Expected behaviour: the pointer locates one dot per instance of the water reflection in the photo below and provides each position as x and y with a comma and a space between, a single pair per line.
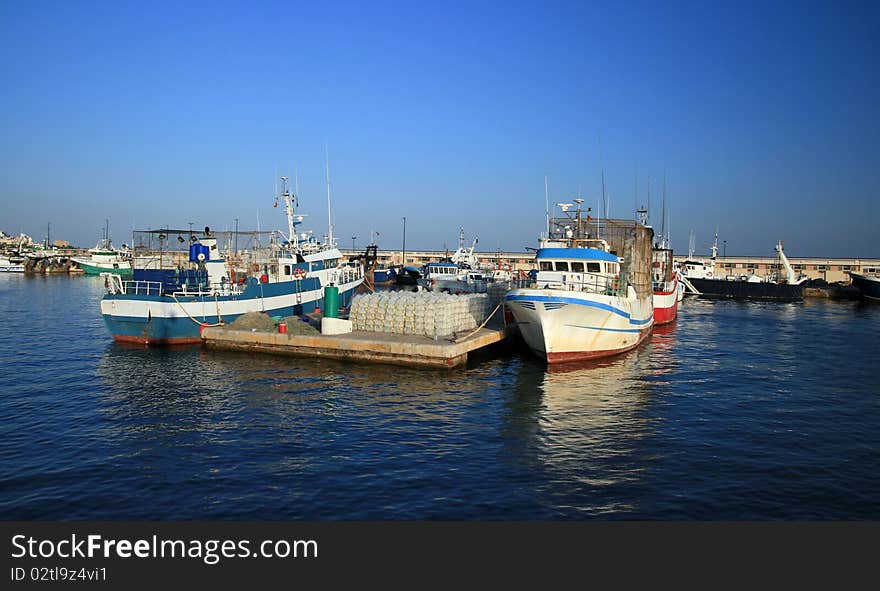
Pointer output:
582, 427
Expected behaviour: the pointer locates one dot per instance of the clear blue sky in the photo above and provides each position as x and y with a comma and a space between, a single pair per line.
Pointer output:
763, 116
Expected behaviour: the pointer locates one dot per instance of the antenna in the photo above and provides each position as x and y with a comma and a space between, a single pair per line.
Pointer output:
547, 203
636, 189
602, 164
329, 214
663, 215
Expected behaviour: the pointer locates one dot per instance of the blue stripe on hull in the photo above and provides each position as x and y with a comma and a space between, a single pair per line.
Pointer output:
159, 330
577, 302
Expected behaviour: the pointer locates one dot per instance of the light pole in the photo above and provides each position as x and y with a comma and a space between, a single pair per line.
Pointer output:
725, 248
191, 232
353, 238
235, 240
403, 255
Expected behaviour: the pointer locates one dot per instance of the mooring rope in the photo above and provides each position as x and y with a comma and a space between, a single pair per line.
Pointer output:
459, 339
220, 323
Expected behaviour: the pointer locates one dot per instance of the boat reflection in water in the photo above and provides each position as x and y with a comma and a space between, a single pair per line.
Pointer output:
214, 435
585, 428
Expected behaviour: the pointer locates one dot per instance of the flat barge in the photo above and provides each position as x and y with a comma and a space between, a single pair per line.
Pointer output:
377, 347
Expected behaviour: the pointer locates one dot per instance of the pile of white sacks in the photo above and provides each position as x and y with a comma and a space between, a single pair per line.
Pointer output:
418, 313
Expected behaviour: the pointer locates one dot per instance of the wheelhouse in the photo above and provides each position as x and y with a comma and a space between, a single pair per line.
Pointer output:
579, 269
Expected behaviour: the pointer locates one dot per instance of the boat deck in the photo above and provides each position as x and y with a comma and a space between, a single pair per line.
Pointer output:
377, 347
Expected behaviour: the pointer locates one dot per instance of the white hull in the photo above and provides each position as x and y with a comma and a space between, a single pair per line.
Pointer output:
210, 309
562, 326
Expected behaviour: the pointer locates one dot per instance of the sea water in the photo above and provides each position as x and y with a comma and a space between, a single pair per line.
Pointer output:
740, 410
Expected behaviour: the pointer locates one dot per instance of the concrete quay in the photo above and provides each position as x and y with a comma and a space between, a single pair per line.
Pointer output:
377, 347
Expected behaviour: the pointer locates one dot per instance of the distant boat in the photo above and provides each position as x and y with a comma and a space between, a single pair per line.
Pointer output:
11, 264
458, 273
104, 258
782, 287
868, 285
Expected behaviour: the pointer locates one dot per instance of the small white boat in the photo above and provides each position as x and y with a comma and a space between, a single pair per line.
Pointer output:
12, 263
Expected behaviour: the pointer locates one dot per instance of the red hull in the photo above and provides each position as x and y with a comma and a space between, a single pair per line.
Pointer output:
571, 356
144, 340
665, 315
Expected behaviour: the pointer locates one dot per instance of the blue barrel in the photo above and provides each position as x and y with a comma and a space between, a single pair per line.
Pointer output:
196, 249
331, 301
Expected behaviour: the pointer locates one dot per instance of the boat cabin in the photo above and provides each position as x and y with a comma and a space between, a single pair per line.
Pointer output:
442, 270
579, 269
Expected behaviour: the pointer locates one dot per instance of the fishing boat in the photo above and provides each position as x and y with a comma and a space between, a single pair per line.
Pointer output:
664, 276
592, 294
867, 284
105, 258
458, 273
664, 279
783, 286
171, 306
12, 263
694, 268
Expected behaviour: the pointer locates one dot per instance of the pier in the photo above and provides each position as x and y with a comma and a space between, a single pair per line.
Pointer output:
377, 347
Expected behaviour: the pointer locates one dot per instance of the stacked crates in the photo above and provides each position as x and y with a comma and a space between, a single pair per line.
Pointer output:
418, 313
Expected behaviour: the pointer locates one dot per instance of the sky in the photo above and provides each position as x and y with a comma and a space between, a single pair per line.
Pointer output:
762, 117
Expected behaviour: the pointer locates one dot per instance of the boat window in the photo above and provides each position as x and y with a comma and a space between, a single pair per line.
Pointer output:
546, 266
577, 267
287, 269
593, 267
562, 265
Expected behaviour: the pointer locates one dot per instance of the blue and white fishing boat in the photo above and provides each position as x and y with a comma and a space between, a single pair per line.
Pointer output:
171, 306
587, 301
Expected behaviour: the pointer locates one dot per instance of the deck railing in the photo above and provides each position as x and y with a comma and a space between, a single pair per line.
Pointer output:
585, 282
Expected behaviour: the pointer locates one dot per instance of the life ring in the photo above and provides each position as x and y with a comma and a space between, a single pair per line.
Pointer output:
299, 273
708, 273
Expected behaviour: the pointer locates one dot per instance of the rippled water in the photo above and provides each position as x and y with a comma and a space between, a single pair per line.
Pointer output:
739, 411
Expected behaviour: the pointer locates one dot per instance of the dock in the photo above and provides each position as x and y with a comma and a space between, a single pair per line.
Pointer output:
376, 347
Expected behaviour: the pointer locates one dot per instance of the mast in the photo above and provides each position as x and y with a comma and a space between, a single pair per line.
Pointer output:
288, 205
636, 190
547, 203
663, 215
329, 214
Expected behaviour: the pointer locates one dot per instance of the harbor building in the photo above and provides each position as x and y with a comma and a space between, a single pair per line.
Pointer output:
829, 269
